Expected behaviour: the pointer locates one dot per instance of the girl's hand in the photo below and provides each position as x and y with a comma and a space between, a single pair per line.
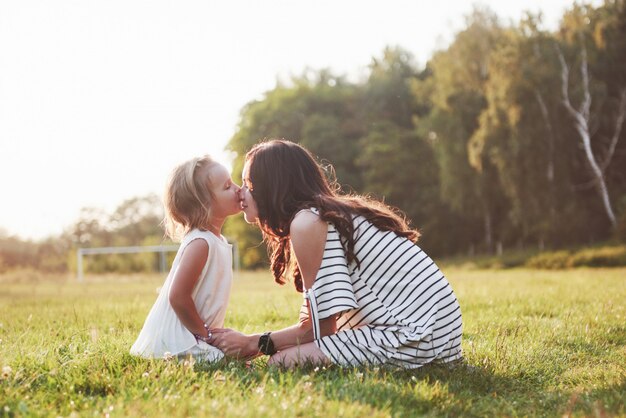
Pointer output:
234, 343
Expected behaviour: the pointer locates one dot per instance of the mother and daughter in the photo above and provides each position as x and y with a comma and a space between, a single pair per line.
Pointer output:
371, 295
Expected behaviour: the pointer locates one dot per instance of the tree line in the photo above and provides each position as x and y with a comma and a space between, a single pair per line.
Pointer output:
135, 222
511, 137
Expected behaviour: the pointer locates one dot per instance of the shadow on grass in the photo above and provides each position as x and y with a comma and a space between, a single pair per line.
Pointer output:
434, 389
466, 390
600, 401
463, 390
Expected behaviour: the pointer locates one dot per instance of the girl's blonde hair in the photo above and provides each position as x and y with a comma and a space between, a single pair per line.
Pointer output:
188, 197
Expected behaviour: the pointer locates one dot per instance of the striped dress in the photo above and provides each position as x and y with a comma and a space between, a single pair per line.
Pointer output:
397, 308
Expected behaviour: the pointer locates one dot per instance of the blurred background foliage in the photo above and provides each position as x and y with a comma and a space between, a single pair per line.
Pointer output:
477, 146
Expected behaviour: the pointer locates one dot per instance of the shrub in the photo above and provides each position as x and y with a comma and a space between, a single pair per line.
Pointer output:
551, 261
599, 257
588, 257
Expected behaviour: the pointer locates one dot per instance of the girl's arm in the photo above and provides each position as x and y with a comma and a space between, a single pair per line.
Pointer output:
191, 264
308, 240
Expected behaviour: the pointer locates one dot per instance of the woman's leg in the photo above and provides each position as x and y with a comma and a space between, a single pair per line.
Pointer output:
305, 354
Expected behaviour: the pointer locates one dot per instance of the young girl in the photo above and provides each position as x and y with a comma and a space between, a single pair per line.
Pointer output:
372, 296
199, 197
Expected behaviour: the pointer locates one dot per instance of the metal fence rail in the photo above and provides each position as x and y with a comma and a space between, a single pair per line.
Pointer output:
161, 249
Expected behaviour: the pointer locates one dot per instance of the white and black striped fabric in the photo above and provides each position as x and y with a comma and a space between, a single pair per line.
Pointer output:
397, 308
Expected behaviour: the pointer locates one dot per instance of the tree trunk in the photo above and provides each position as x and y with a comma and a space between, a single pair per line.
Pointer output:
583, 131
488, 232
550, 166
581, 123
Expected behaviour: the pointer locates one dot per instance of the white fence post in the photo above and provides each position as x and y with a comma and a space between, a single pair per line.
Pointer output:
237, 263
79, 264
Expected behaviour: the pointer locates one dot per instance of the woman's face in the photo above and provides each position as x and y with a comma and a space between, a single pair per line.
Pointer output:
248, 205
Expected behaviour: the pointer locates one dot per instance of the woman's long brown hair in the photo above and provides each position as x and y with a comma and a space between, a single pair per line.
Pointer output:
285, 178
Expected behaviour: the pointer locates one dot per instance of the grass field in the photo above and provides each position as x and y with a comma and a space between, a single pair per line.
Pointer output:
536, 343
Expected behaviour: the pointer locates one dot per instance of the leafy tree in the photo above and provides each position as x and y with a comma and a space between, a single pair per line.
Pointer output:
317, 110
387, 95
400, 168
516, 131
137, 218
469, 182
595, 94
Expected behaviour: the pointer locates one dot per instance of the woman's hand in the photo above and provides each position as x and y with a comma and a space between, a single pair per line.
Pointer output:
234, 343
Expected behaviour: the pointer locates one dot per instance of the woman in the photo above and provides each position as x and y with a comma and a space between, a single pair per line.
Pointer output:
371, 296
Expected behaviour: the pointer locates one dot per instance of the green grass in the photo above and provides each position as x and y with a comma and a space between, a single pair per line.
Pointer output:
537, 343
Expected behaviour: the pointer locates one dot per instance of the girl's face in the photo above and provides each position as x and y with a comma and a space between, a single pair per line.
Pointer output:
225, 193
250, 211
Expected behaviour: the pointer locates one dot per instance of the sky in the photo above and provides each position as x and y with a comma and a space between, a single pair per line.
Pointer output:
100, 99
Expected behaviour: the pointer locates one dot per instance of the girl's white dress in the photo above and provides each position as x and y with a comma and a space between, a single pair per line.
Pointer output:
163, 332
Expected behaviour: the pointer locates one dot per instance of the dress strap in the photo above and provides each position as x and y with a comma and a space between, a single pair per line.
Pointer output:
310, 296
313, 210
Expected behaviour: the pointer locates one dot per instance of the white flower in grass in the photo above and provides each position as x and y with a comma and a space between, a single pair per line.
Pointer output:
167, 356
6, 372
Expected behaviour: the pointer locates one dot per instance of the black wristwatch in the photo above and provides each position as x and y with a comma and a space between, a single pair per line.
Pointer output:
266, 345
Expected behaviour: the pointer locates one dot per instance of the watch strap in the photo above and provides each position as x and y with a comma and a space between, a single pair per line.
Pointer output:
266, 345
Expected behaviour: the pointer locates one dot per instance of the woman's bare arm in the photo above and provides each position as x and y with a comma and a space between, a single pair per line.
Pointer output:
308, 240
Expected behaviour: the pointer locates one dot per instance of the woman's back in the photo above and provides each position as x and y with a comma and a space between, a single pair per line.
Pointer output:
397, 298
